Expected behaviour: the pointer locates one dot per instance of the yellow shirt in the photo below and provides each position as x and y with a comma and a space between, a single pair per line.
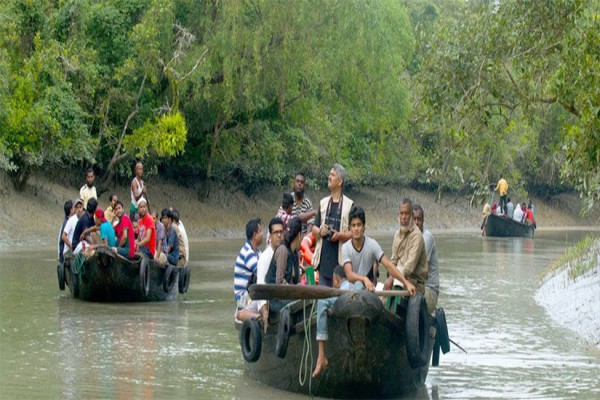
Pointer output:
87, 193
502, 187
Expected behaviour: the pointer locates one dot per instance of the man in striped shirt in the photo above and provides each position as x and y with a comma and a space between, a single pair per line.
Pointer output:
302, 207
245, 266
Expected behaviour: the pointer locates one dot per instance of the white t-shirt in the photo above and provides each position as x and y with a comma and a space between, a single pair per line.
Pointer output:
518, 214
69, 230
262, 267
362, 260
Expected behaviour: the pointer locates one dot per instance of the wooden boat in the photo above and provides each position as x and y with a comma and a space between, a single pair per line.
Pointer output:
506, 227
106, 276
369, 348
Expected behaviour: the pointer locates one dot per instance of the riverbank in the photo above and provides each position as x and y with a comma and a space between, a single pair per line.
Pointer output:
571, 292
33, 217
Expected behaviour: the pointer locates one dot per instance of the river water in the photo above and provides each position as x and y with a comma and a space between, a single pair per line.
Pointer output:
52, 346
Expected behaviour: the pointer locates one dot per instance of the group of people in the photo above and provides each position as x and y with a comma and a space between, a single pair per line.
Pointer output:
87, 226
344, 256
522, 212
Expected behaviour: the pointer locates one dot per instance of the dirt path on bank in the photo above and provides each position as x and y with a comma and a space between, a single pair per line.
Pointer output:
33, 217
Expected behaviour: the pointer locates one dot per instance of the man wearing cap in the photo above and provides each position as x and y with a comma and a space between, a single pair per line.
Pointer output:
146, 242
107, 232
69, 229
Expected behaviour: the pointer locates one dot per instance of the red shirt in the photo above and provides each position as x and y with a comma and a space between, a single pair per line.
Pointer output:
529, 216
125, 223
144, 224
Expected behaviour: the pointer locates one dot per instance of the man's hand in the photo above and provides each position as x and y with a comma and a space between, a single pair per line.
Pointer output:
368, 284
412, 290
323, 231
389, 282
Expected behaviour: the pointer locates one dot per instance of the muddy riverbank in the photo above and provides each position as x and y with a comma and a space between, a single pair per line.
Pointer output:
33, 217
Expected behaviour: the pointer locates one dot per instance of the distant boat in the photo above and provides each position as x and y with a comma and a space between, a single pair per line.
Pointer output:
106, 276
369, 351
506, 227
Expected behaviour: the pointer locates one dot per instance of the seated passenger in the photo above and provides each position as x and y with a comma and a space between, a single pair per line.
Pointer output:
339, 282
170, 253
529, 219
184, 245
146, 242
519, 214
284, 267
107, 232
125, 233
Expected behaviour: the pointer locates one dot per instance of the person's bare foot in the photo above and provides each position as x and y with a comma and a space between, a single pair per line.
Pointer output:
264, 313
322, 364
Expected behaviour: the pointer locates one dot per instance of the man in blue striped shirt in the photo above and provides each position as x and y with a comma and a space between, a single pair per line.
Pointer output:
245, 266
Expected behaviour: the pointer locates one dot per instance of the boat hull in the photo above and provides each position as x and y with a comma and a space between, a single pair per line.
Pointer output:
107, 277
506, 227
366, 352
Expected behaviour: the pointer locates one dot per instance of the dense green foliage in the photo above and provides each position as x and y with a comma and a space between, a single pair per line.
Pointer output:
446, 94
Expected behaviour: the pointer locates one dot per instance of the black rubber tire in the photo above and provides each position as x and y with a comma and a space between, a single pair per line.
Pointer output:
417, 331
60, 272
184, 280
144, 276
169, 278
251, 340
442, 330
75, 285
283, 333
435, 358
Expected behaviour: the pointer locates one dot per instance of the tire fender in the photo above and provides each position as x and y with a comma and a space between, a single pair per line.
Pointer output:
417, 331
251, 340
442, 330
284, 329
169, 278
184, 280
60, 271
144, 276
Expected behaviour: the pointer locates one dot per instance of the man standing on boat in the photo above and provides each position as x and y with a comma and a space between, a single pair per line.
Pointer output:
245, 266
138, 189
432, 286
408, 249
302, 207
358, 255
502, 189
332, 226
88, 191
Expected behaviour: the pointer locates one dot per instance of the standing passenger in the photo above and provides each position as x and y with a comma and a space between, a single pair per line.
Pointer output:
88, 191
502, 188
138, 189
331, 226
303, 207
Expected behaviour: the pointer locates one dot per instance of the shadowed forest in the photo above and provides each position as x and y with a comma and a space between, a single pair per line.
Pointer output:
437, 95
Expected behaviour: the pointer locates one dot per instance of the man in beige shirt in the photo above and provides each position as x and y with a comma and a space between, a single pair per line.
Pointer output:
408, 249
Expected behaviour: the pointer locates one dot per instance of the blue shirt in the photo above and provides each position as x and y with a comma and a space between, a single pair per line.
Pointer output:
245, 265
171, 242
108, 232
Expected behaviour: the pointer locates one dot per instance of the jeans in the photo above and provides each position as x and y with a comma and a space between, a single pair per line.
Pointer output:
323, 305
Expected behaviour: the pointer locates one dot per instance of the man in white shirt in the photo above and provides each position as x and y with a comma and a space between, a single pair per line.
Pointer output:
67, 233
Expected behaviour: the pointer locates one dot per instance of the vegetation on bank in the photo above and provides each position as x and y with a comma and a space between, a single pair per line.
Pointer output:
437, 94
579, 259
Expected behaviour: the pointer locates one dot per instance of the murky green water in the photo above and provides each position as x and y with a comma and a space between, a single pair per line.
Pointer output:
54, 347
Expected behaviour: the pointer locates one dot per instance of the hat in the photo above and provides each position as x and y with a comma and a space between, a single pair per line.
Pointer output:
100, 215
142, 200
79, 200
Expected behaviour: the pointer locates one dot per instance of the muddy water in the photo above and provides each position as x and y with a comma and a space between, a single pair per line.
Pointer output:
54, 347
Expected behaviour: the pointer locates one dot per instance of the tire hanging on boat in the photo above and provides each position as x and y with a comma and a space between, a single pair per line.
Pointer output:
60, 271
417, 331
283, 333
251, 340
184, 280
442, 330
435, 358
169, 278
144, 276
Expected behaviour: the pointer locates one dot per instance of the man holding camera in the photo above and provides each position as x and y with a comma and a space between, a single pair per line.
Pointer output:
332, 226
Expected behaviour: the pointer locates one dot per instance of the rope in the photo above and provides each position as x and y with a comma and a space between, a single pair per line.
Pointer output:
77, 265
307, 353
